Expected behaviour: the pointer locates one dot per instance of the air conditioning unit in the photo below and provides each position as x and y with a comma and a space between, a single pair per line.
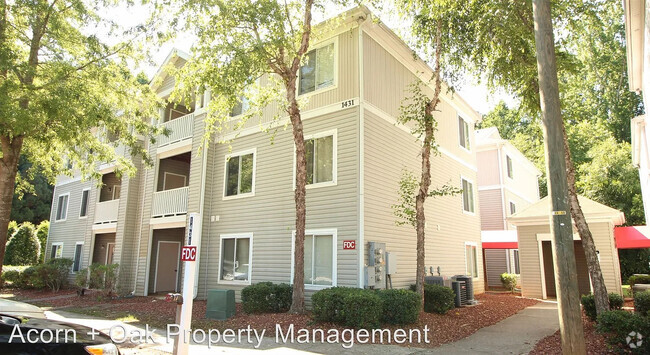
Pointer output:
469, 287
460, 293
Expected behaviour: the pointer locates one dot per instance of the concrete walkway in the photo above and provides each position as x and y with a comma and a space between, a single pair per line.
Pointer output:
514, 335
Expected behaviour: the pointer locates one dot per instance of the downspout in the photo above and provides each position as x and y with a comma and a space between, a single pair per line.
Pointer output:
361, 156
502, 189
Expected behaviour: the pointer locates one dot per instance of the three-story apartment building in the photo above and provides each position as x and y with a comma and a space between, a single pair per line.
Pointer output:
507, 183
354, 82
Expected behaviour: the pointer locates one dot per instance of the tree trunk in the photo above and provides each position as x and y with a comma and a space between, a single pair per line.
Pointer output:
8, 169
566, 280
591, 254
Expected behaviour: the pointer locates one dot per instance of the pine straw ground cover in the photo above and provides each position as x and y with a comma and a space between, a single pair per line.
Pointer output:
596, 343
456, 324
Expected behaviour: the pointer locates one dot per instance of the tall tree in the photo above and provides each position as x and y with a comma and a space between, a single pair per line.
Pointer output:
32, 196
241, 43
58, 83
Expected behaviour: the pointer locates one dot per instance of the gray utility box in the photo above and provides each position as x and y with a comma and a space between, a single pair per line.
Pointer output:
221, 304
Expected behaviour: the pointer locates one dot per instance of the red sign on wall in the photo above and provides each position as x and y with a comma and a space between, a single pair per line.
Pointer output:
349, 244
188, 253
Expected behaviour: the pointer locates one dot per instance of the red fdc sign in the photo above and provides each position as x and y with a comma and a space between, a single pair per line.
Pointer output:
349, 244
188, 253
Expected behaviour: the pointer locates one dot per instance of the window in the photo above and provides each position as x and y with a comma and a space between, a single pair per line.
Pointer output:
463, 133
471, 260
84, 203
468, 196
240, 174
76, 265
317, 72
319, 153
509, 166
57, 251
320, 258
62, 207
513, 208
516, 257
241, 107
236, 255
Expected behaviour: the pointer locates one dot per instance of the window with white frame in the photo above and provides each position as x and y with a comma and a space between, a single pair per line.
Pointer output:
513, 208
317, 72
319, 153
320, 258
76, 264
471, 259
236, 255
240, 174
57, 251
516, 258
468, 195
242, 106
509, 166
84, 203
463, 133
62, 207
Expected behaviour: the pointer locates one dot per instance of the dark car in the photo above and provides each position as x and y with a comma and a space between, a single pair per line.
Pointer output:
26, 335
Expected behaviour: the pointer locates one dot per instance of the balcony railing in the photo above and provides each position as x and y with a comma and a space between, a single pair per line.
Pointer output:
179, 129
169, 202
106, 212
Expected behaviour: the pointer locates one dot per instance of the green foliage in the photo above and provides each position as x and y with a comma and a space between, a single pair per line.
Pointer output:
589, 304
266, 297
642, 303
11, 230
81, 278
32, 196
42, 231
31, 278
54, 273
24, 248
619, 324
438, 299
509, 281
10, 275
638, 279
327, 304
400, 306
634, 261
362, 309
103, 277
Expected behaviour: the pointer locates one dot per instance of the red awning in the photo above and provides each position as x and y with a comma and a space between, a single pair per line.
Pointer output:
632, 237
500, 245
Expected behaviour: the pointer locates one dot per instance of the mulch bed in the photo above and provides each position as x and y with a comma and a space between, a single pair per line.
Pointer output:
456, 324
596, 343
28, 294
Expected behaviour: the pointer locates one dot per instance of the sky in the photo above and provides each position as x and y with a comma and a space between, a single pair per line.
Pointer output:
476, 94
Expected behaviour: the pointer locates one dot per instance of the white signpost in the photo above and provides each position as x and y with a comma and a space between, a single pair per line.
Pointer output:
188, 256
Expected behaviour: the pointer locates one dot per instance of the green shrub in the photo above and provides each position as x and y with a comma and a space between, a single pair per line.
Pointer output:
638, 279
438, 299
619, 324
589, 304
54, 273
642, 304
266, 297
362, 309
81, 278
328, 304
509, 281
23, 248
11, 275
11, 230
31, 278
41, 234
400, 306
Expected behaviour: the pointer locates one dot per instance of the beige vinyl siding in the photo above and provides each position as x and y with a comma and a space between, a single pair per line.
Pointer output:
270, 214
490, 202
495, 264
524, 180
71, 230
445, 246
488, 164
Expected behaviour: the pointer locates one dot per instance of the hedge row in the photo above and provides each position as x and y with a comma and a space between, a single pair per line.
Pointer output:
266, 297
589, 304
638, 279
53, 274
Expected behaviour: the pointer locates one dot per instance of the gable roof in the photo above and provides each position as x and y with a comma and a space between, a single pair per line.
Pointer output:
539, 212
174, 56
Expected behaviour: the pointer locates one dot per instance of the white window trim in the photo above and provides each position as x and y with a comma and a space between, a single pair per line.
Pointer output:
462, 203
225, 173
510, 207
334, 182
250, 258
469, 136
57, 244
81, 256
333, 232
511, 178
475, 245
67, 207
170, 173
82, 202
335, 84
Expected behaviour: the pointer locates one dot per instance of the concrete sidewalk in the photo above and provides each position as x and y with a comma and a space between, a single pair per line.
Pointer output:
514, 335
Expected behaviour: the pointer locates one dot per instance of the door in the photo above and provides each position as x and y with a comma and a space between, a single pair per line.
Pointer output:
549, 271
110, 251
167, 266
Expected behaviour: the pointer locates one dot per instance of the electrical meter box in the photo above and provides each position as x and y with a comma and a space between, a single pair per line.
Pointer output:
391, 263
377, 260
